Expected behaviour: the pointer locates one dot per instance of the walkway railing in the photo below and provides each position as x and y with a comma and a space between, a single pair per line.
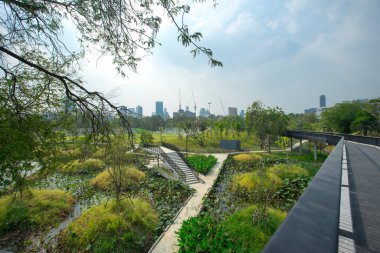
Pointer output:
312, 225
334, 138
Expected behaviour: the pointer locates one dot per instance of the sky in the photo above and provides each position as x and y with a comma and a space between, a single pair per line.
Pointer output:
283, 53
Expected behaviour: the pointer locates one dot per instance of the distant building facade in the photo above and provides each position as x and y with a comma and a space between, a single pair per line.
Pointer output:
184, 114
139, 110
166, 114
203, 112
160, 109
310, 111
242, 113
322, 101
232, 111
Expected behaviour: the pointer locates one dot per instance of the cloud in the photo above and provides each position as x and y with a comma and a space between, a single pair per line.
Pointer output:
284, 54
244, 22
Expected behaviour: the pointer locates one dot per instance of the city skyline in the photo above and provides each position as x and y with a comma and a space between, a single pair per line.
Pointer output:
281, 53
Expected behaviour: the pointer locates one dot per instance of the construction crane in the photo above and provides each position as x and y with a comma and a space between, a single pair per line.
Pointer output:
195, 105
224, 112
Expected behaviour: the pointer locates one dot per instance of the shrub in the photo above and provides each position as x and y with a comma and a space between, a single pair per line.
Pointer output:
102, 229
39, 209
247, 237
130, 176
203, 234
86, 166
287, 170
247, 158
249, 181
202, 163
290, 190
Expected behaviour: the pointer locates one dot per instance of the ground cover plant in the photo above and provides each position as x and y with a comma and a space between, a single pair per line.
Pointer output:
37, 210
202, 163
248, 201
79, 166
104, 228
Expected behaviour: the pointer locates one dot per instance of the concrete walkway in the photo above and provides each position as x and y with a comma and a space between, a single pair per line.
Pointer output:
168, 242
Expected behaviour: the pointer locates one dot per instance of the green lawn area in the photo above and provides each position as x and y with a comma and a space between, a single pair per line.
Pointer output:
211, 145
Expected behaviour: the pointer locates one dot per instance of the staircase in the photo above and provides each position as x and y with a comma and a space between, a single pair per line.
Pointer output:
190, 176
176, 163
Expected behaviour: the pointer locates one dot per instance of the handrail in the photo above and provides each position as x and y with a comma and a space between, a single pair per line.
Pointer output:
312, 225
333, 138
179, 152
172, 164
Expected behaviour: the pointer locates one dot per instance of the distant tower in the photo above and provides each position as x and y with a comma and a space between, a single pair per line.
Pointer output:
322, 101
160, 109
139, 110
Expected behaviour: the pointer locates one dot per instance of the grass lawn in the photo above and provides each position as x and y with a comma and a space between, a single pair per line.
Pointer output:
211, 145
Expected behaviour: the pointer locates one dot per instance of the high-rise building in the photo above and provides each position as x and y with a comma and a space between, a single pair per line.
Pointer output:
322, 101
166, 114
139, 110
310, 111
160, 109
203, 112
242, 113
232, 111
132, 110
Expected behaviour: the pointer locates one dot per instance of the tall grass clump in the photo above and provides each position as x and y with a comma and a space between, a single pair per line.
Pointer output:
104, 228
129, 177
37, 209
287, 170
82, 167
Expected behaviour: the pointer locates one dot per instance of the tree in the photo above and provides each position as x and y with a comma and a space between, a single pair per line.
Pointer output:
118, 159
27, 144
347, 117
266, 122
31, 47
340, 117
364, 122
39, 71
146, 137
283, 142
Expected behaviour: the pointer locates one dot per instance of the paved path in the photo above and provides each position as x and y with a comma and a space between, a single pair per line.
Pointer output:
364, 176
168, 242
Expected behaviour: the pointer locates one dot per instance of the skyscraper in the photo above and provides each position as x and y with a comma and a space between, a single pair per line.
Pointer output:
160, 109
139, 110
232, 111
322, 101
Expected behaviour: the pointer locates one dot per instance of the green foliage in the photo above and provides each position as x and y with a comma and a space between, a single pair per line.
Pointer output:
287, 170
146, 137
347, 117
168, 197
23, 142
86, 166
127, 177
38, 209
308, 122
251, 181
202, 163
266, 122
290, 190
250, 160
104, 229
203, 234
249, 237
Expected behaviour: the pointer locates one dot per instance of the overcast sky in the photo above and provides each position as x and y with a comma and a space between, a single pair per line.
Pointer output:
284, 53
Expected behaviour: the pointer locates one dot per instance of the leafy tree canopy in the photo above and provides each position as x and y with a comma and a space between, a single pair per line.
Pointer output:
38, 67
